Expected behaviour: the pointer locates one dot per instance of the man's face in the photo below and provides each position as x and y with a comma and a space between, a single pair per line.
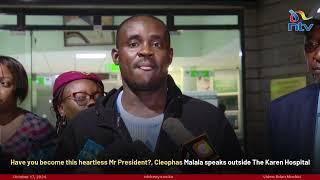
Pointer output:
143, 53
312, 51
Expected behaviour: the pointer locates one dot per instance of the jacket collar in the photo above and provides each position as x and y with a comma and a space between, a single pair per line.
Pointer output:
107, 104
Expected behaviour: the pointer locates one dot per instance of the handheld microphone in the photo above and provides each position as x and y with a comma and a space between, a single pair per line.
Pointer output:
90, 150
192, 147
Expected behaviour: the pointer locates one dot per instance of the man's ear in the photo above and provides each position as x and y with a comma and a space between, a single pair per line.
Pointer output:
115, 56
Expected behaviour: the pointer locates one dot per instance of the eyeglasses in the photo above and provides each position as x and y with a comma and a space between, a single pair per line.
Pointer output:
311, 45
83, 98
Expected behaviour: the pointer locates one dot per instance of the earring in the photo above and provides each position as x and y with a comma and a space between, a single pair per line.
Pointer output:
61, 124
64, 121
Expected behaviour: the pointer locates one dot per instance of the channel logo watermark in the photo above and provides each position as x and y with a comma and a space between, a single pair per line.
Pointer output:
294, 25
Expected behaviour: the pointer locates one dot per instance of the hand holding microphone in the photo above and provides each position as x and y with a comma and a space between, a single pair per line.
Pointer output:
192, 147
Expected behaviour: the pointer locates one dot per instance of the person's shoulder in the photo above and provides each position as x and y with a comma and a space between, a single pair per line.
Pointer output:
101, 109
89, 114
37, 128
37, 122
203, 111
198, 104
295, 96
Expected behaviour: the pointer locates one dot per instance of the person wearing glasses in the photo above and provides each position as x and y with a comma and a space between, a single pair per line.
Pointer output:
21, 132
73, 92
294, 119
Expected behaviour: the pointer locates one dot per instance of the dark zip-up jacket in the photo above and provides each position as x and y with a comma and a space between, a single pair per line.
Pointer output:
103, 125
292, 123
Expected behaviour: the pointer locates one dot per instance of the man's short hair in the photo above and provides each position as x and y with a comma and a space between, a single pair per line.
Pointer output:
141, 15
19, 76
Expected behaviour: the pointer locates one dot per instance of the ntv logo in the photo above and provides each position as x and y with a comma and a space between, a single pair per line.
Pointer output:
294, 18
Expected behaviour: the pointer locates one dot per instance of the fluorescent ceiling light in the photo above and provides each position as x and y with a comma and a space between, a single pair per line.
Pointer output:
91, 56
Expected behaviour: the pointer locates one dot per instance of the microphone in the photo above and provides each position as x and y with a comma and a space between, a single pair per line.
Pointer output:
192, 147
90, 150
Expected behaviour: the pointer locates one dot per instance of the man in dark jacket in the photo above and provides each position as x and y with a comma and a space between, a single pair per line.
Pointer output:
148, 99
294, 118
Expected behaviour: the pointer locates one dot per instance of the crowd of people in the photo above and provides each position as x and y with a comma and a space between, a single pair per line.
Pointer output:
121, 123
148, 117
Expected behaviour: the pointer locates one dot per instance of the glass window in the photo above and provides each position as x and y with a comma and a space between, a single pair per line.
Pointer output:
44, 20
8, 19
118, 19
207, 65
206, 20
